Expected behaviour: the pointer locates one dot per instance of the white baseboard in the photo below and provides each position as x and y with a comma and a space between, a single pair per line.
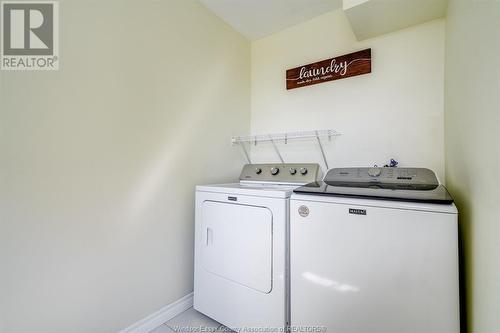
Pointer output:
161, 316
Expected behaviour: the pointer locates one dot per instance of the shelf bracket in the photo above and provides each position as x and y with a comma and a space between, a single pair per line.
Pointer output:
242, 145
322, 150
276, 149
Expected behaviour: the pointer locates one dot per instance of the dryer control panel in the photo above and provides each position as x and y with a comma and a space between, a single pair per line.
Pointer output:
282, 173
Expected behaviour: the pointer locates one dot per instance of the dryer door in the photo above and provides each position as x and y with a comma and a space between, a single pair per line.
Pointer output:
238, 243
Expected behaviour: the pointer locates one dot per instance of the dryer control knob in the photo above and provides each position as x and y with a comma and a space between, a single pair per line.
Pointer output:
374, 172
303, 171
293, 171
258, 171
274, 171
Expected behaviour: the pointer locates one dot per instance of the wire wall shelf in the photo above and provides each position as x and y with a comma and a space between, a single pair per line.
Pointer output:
285, 138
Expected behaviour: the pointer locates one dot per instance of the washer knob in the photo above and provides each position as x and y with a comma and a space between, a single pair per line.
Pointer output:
374, 172
293, 171
274, 171
258, 171
303, 171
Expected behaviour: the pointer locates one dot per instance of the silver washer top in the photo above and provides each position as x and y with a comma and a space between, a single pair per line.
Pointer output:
403, 176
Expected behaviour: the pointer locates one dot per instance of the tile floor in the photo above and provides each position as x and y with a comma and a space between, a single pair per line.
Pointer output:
191, 321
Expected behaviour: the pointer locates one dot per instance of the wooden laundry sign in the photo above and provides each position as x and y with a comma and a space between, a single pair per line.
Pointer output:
346, 65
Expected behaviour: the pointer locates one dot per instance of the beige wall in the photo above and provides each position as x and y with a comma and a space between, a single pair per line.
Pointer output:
473, 151
98, 162
396, 111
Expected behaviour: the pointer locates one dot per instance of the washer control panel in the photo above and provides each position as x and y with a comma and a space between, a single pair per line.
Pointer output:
285, 173
382, 175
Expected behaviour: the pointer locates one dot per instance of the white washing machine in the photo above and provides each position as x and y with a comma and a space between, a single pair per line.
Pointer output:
374, 250
241, 259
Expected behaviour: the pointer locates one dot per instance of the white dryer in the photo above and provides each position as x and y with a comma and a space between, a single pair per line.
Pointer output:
374, 250
241, 242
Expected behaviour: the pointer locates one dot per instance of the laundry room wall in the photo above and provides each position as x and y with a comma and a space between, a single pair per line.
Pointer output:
473, 154
394, 112
99, 160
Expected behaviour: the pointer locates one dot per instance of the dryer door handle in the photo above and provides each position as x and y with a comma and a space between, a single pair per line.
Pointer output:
210, 236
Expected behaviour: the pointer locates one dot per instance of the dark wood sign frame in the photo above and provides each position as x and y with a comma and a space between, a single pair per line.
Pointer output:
347, 65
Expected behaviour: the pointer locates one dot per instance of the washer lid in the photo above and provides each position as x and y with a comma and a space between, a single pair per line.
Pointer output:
401, 184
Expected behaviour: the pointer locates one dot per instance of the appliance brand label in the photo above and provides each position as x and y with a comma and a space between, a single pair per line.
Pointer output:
357, 211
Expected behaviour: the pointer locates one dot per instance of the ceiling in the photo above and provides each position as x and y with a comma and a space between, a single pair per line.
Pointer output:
258, 18
371, 18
